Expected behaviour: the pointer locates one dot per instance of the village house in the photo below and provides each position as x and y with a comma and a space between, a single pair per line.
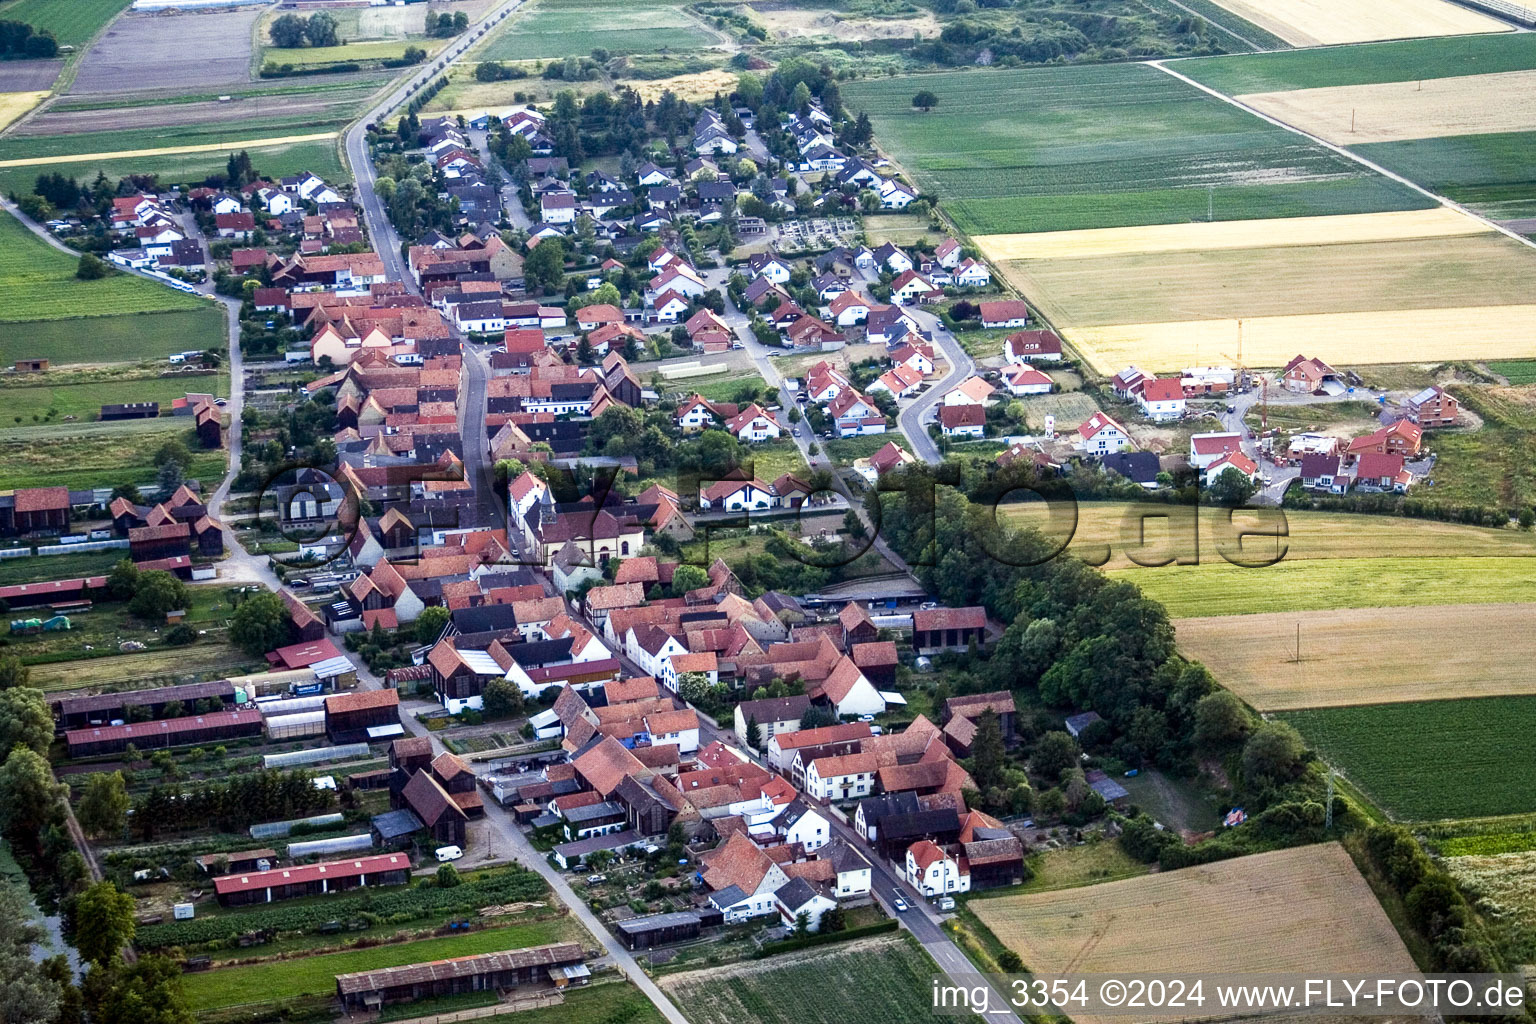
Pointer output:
1432, 407
1099, 434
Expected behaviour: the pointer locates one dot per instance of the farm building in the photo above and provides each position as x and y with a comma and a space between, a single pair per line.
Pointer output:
215, 727
395, 829
664, 929
34, 510
102, 708
30, 595
439, 813
556, 965
355, 716
312, 879
130, 411
948, 629
236, 863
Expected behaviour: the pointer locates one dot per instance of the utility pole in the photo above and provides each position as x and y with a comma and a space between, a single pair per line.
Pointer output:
1298, 625
1351, 120
1210, 204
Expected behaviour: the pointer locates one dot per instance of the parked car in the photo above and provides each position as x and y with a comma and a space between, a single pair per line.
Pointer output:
946, 903
447, 853
596, 879
900, 905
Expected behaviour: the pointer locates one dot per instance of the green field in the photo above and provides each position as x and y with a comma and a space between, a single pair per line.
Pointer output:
37, 282
72, 22
56, 567
377, 49
1516, 371
1363, 63
1218, 588
83, 401
858, 982
316, 975
319, 156
116, 339
611, 1001
1439, 759
1105, 146
99, 454
1494, 173
26, 147
577, 28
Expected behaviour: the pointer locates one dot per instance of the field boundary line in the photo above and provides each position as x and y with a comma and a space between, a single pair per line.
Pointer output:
207, 147
1342, 151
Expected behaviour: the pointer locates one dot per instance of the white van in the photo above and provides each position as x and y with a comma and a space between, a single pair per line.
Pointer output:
447, 853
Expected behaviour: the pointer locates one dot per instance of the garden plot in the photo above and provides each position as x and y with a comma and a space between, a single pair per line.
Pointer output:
1394, 111
1368, 655
1323, 22
1271, 912
172, 51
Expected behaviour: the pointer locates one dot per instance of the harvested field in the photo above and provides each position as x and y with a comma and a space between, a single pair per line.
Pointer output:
1434, 759
1408, 60
1367, 655
1271, 912
28, 75
15, 104
1384, 336
696, 87
1394, 111
194, 50
213, 147
1440, 222
1485, 269
1322, 22
317, 106
1043, 149
863, 980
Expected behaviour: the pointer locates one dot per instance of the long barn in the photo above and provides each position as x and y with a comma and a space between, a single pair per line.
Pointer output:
552, 966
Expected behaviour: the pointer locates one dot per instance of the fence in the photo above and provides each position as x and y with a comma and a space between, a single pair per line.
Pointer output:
1514, 12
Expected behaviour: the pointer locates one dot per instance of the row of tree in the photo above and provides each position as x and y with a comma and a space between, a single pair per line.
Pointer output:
19, 40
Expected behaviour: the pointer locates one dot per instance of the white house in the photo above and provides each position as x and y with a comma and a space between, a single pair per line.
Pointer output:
1205, 449
737, 496
680, 727
694, 415
1162, 399
894, 195
650, 647
933, 872
1026, 380
799, 899
743, 879
769, 266
972, 274
853, 871
849, 692
1099, 434
1236, 462
971, 391
844, 777
912, 287
848, 309
557, 208
753, 425
796, 822
224, 203
948, 254
855, 415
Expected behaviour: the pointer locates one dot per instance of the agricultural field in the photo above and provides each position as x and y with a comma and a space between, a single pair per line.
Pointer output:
39, 398
163, 52
825, 985
1069, 407
1106, 146
275, 157
564, 28
56, 567
1435, 759
14, 104
85, 455
1505, 887
1408, 60
1326, 22
1516, 371
607, 1001
234, 132
1365, 656
1494, 173
1270, 912
113, 339
316, 975
71, 23
1347, 115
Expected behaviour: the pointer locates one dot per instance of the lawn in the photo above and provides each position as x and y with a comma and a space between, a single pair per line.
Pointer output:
1271, 912
773, 459
34, 398
1105, 146
377, 49
845, 451
1436, 759
89, 455
881, 979
1364, 63
316, 975
319, 156
611, 1001
116, 339
72, 22
1072, 866
37, 282
577, 27
724, 388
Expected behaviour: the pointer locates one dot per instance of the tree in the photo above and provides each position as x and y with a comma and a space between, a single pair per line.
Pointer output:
13, 673
91, 267
687, 578
833, 920
853, 525
1053, 754
158, 592
260, 624
502, 699
28, 995
925, 101
320, 30
430, 623
988, 754
816, 716
149, 991
802, 926
754, 733
448, 877
1272, 754
123, 580
288, 32
25, 720
30, 798
103, 922
170, 476
1230, 489
1010, 961
173, 450
545, 266
693, 687
1221, 722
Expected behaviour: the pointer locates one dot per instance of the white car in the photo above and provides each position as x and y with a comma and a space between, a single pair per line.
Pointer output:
447, 853
900, 905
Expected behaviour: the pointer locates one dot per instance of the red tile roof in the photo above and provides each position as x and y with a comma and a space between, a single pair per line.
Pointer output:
312, 873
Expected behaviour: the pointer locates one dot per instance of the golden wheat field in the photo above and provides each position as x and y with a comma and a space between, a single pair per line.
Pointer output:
1368, 655
1352, 115
1321, 22
1384, 336
15, 104
1439, 222
1290, 910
